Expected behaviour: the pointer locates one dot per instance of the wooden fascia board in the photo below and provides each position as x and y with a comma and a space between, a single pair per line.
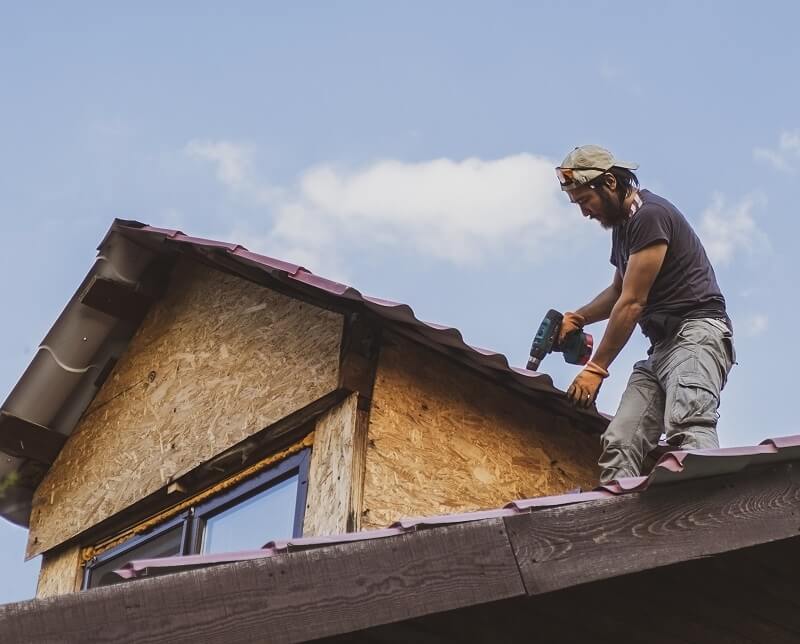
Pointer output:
288, 598
571, 545
24, 439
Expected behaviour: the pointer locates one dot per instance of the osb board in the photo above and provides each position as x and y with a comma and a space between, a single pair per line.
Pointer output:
226, 358
330, 475
444, 439
60, 572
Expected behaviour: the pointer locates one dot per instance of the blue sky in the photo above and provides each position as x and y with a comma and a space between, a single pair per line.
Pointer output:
407, 149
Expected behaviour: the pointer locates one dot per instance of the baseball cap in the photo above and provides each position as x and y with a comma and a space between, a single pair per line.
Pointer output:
585, 163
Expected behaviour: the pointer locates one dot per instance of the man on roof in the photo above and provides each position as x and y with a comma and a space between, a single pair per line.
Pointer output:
663, 280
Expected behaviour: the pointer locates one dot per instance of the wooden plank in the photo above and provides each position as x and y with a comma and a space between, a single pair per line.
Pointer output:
572, 545
359, 471
361, 346
60, 572
289, 598
22, 438
116, 298
330, 475
360, 350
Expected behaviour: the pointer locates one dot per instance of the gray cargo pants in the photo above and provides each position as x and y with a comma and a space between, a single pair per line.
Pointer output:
675, 391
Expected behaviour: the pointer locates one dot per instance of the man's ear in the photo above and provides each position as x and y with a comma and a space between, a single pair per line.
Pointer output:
611, 181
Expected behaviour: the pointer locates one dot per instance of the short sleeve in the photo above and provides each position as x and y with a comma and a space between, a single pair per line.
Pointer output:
651, 224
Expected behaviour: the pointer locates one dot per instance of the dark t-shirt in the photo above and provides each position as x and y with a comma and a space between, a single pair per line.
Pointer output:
686, 287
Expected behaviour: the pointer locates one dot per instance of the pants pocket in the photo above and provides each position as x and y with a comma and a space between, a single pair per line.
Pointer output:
695, 403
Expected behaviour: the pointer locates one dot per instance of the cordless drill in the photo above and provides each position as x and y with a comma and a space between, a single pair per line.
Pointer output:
577, 346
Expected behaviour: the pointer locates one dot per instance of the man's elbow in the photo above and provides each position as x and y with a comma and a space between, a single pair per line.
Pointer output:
632, 306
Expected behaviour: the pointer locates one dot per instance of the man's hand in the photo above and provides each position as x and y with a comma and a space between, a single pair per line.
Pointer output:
571, 322
583, 390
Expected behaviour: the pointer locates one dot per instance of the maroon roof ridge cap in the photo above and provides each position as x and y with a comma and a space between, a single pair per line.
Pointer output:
626, 484
672, 461
558, 500
782, 442
284, 545
424, 522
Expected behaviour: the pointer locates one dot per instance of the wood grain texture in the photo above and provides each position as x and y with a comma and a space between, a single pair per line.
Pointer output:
444, 439
359, 470
60, 573
571, 545
290, 598
215, 360
331, 473
724, 599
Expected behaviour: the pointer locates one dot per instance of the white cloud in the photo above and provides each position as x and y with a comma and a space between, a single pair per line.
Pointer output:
235, 167
755, 325
458, 211
729, 229
786, 156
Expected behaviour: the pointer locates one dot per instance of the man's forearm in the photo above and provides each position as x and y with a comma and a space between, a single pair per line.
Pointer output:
624, 316
600, 308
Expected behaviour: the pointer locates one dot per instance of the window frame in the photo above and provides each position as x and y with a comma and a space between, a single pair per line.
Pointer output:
136, 541
249, 488
194, 519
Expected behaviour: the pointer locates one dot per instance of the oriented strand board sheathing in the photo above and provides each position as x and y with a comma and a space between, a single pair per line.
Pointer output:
331, 475
60, 572
215, 360
443, 439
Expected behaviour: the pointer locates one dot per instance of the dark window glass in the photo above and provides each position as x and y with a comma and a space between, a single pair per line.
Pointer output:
249, 524
166, 544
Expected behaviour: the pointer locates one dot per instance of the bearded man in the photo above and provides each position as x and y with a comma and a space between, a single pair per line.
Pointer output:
664, 281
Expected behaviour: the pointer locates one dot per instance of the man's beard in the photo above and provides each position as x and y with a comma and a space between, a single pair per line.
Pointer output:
613, 212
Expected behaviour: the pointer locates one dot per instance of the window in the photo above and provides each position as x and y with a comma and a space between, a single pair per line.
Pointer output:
268, 506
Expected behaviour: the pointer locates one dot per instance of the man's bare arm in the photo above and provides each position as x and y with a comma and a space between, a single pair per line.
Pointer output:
643, 268
600, 307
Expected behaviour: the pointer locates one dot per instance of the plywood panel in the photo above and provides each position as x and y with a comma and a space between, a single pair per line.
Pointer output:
331, 474
214, 361
443, 439
60, 573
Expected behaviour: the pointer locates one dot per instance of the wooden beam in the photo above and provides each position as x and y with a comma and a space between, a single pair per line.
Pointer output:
359, 357
117, 299
24, 439
576, 544
330, 476
288, 598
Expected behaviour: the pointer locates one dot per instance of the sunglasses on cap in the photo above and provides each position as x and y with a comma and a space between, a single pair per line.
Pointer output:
566, 176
